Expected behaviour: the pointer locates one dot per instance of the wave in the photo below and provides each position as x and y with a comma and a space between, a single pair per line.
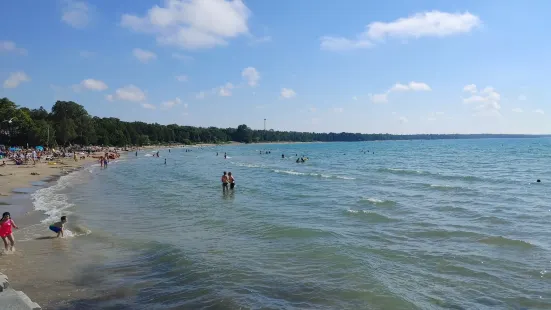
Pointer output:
371, 216
503, 241
445, 188
52, 201
313, 174
378, 202
248, 165
148, 155
400, 171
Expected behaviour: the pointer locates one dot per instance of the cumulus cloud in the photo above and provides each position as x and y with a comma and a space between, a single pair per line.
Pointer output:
128, 93
517, 110
288, 93
225, 90
76, 13
148, 106
412, 86
378, 98
487, 100
398, 87
143, 55
91, 84
171, 103
182, 57
200, 95
471, 88
11, 47
539, 111
15, 79
192, 24
182, 78
426, 24
251, 75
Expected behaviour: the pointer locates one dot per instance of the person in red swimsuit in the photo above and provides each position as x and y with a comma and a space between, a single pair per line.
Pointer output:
6, 224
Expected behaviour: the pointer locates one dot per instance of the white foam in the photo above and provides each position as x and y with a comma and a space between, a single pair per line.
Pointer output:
374, 200
52, 201
353, 211
289, 172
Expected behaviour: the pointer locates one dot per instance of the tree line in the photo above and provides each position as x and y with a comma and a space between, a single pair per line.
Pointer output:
68, 123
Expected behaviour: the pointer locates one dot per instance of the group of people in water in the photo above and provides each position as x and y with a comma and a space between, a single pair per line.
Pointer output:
227, 179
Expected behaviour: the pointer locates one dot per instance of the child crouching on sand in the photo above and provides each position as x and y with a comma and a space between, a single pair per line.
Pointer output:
6, 224
57, 227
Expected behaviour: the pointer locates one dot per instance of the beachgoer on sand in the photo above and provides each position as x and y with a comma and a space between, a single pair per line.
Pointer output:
6, 224
57, 227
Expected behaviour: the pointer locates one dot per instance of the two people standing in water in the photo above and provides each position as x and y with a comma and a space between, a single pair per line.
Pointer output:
227, 178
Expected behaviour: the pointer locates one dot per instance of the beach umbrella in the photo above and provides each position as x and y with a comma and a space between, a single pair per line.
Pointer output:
40, 148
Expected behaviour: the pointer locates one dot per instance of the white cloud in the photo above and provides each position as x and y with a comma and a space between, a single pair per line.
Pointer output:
539, 111
11, 47
522, 98
471, 88
517, 110
200, 95
427, 24
185, 105
128, 93
182, 78
288, 93
182, 57
338, 110
171, 103
260, 40
15, 79
148, 106
251, 75
87, 54
329, 43
402, 119
412, 86
143, 55
225, 90
91, 84
192, 24
488, 99
109, 98
355, 98
76, 13
378, 98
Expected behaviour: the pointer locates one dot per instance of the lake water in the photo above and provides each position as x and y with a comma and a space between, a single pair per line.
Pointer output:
448, 224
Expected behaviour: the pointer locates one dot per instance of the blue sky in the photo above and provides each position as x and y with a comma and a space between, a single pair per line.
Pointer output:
360, 66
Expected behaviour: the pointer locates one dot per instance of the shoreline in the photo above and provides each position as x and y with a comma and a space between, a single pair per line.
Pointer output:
27, 267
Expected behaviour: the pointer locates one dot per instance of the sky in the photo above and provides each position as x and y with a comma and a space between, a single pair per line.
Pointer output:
397, 66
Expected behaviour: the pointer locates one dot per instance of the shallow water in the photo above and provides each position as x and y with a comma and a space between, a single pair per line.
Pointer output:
456, 224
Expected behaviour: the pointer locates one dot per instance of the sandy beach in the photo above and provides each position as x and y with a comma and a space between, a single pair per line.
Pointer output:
40, 262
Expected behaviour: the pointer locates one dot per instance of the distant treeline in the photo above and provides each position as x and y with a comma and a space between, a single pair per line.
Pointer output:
69, 123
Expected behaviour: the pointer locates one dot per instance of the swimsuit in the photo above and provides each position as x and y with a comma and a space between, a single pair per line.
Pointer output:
55, 229
5, 229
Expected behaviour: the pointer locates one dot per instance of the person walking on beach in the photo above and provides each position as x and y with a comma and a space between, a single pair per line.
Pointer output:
224, 181
6, 224
57, 227
231, 180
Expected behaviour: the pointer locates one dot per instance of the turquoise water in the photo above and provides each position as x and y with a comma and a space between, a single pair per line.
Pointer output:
450, 224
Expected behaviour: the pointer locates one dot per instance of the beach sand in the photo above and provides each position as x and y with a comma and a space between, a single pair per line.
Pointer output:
43, 267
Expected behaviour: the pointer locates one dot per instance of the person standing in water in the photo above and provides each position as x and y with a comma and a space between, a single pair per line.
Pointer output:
225, 156
224, 181
231, 180
165, 161
6, 224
